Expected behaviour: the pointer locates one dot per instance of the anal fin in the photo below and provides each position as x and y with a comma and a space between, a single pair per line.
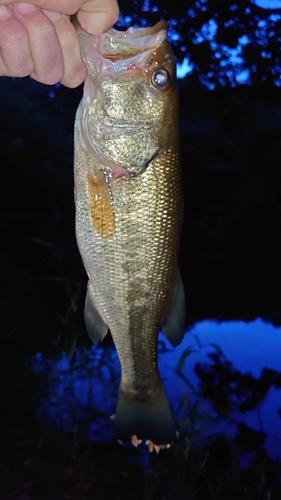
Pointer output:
173, 325
96, 327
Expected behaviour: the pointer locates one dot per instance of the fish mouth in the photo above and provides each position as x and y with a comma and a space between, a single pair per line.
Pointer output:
113, 54
117, 44
135, 40
120, 50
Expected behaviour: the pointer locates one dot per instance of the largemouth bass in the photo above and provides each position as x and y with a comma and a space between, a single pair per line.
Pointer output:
128, 213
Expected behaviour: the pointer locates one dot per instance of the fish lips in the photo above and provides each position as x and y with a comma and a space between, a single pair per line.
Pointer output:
107, 52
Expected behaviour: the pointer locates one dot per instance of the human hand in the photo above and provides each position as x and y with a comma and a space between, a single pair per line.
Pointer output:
38, 39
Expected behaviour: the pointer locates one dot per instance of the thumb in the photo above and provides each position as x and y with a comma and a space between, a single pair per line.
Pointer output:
97, 16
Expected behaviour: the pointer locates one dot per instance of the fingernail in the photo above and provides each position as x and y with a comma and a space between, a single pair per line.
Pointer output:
25, 8
5, 12
53, 16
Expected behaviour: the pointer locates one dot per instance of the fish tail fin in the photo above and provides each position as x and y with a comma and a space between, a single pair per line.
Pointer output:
149, 418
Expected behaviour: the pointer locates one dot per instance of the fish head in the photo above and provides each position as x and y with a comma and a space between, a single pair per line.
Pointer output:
129, 106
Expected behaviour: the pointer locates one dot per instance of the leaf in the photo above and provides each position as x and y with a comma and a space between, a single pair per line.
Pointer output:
66, 281
197, 340
218, 349
187, 382
40, 241
183, 357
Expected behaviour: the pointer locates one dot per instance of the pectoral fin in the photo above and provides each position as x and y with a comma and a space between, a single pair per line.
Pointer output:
96, 327
100, 206
173, 325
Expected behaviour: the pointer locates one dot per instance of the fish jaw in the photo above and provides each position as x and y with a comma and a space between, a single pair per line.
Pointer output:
122, 111
111, 51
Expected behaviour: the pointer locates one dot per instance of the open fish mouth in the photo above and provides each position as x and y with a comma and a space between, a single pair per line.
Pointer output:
116, 44
133, 41
120, 50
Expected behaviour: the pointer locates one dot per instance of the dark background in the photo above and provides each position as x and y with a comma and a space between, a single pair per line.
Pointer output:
231, 157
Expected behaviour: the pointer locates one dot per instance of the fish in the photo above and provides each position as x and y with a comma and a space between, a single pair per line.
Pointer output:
128, 200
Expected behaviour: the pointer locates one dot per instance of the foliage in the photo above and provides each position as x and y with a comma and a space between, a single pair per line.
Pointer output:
214, 467
229, 391
206, 31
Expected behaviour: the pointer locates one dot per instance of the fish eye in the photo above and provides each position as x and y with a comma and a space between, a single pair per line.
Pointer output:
160, 78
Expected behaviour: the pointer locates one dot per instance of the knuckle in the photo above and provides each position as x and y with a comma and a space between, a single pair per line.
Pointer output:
68, 38
14, 38
22, 70
44, 30
74, 80
53, 79
48, 77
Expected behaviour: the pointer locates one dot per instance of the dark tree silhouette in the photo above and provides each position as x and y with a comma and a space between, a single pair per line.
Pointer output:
206, 31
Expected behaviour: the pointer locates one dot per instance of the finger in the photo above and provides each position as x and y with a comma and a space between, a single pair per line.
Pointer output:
74, 68
97, 16
15, 56
44, 44
68, 7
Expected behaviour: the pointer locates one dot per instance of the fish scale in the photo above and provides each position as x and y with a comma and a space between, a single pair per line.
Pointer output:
146, 266
128, 234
